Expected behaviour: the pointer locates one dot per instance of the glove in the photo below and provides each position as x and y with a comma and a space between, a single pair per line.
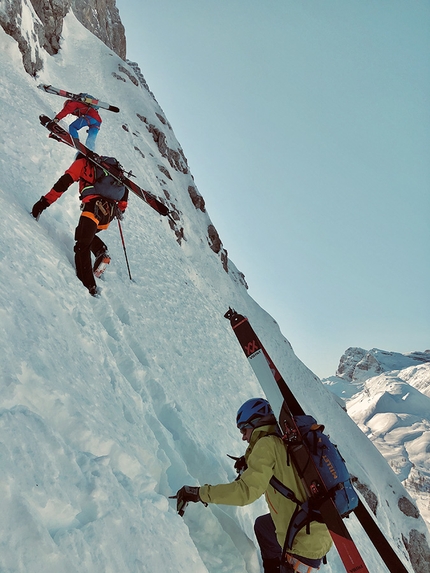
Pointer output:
240, 465
39, 207
118, 213
186, 494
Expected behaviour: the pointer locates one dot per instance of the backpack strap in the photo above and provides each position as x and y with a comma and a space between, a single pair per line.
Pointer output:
284, 490
303, 515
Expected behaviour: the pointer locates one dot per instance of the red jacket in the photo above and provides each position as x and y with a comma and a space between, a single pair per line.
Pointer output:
72, 107
81, 170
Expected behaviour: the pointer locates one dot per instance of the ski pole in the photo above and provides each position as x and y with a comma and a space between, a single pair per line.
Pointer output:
123, 246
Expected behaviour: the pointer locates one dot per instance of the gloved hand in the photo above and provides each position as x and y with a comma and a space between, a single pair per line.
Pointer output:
39, 207
186, 494
118, 213
240, 464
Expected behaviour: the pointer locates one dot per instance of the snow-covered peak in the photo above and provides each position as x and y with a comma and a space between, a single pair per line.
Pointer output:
357, 365
388, 395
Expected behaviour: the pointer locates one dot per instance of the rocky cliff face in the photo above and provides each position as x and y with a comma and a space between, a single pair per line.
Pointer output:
37, 24
101, 17
357, 364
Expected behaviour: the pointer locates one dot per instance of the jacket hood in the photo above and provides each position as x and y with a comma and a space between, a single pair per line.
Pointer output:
260, 432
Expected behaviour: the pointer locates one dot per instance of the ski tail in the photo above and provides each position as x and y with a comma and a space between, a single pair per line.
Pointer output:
381, 543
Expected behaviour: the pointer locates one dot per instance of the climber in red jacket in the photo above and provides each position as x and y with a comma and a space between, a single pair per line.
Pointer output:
103, 198
87, 116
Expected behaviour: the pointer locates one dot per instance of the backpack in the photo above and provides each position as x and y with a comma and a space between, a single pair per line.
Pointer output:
104, 183
333, 480
84, 96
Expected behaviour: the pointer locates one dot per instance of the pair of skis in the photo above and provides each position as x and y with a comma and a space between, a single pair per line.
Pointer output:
60, 134
278, 392
84, 98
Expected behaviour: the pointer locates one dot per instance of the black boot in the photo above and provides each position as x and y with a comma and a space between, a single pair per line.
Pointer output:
271, 565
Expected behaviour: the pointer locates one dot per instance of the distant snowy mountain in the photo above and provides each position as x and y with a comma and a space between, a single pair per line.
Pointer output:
388, 395
110, 405
357, 365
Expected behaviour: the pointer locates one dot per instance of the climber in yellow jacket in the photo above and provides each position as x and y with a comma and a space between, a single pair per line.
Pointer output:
265, 457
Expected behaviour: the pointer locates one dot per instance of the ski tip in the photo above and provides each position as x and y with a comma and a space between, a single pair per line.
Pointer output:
230, 313
234, 317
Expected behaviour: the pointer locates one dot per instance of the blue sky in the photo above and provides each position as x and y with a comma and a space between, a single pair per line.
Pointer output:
306, 125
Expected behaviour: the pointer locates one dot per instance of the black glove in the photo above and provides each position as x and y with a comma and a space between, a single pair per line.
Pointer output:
186, 494
240, 464
38, 207
118, 213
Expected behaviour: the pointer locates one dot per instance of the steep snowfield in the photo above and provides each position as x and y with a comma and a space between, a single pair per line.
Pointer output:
109, 405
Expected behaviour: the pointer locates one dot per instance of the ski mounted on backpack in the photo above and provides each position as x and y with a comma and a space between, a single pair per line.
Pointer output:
60, 134
82, 97
321, 504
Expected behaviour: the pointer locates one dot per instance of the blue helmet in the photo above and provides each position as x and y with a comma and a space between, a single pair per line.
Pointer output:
253, 413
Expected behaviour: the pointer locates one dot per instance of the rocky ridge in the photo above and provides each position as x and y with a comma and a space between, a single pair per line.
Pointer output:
37, 24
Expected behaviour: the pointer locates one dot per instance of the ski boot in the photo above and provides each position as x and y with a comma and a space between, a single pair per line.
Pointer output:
101, 262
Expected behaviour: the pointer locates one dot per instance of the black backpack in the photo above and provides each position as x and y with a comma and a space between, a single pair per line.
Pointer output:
105, 184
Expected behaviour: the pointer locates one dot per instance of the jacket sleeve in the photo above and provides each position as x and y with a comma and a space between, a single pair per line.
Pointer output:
251, 484
69, 177
69, 107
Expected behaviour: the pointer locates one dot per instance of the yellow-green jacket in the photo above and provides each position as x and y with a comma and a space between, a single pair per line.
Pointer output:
266, 457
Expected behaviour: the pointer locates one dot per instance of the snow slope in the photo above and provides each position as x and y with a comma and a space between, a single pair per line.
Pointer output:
109, 405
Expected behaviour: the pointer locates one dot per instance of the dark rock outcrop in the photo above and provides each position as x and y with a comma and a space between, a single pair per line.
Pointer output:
42, 31
418, 550
101, 17
197, 199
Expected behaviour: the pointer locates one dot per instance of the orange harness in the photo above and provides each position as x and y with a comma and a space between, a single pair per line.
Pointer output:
299, 566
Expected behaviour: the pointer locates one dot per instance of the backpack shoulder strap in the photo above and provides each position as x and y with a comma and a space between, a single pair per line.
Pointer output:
284, 490
278, 485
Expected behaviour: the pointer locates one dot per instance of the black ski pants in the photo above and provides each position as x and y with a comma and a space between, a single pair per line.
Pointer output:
271, 551
96, 216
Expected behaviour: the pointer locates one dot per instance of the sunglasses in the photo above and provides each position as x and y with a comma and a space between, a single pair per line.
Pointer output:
243, 429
